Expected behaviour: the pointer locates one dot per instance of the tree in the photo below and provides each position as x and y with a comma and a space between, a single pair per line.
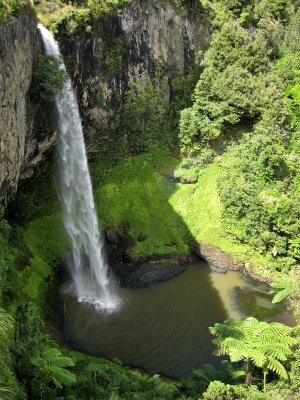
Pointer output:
260, 344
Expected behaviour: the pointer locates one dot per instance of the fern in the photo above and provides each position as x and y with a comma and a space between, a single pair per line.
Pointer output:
282, 294
54, 358
262, 344
276, 366
283, 288
61, 377
225, 373
52, 363
6, 393
6, 325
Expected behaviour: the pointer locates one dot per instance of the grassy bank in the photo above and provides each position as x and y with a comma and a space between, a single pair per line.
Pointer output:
200, 208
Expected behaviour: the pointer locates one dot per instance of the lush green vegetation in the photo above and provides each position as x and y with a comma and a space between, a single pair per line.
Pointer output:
134, 195
261, 344
246, 98
10, 7
144, 118
235, 186
75, 14
49, 76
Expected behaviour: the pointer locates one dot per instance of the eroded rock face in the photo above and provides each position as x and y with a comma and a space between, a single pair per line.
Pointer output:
23, 139
222, 261
146, 41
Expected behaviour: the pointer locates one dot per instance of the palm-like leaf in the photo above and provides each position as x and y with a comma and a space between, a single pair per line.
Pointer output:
6, 393
61, 377
284, 288
282, 294
264, 344
53, 363
201, 375
276, 366
225, 373
54, 358
6, 325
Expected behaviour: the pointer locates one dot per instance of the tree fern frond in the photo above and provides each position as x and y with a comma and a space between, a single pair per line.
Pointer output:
61, 376
6, 325
53, 356
278, 350
238, 375
230, 329
200, 374
276, 366
61, 362
231, 344
257, 357
282, 294
6, 393
51, 353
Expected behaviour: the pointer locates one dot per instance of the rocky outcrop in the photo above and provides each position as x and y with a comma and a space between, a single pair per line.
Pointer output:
148, 40
24, 135
148, 274
140, 271
223, 261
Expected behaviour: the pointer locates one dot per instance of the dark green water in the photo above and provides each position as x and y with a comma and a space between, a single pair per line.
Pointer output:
164, 328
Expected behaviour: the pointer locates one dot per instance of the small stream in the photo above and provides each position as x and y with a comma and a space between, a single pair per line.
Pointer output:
164, 328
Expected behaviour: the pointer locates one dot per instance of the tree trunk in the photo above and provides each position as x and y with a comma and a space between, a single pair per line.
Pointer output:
265, 379
248, 380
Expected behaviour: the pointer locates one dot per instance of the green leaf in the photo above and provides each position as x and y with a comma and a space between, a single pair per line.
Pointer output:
283, 294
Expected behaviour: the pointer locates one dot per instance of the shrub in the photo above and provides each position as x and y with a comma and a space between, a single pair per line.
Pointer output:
49, 76
221, 391
10, 7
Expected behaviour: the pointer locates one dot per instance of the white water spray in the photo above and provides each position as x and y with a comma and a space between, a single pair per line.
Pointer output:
88, 267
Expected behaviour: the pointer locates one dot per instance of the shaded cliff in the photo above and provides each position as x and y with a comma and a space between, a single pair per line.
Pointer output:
146, 41
25, 126
156, 41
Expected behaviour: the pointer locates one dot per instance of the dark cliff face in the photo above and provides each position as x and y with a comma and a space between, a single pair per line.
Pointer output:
147, 41
26, 130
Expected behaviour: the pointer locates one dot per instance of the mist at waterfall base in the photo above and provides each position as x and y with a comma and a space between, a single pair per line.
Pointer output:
164, 328
87, 265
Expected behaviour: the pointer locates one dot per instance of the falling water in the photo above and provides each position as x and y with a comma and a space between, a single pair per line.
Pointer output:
88, 267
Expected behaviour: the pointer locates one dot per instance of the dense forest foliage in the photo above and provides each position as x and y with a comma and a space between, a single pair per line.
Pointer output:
233, 125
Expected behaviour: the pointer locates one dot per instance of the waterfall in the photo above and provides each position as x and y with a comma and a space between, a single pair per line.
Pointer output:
87, 264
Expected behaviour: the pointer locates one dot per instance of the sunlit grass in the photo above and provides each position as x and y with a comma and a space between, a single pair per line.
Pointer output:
200, 207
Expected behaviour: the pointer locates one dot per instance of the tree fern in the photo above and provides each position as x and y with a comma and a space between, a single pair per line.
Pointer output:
262, 344
52, 363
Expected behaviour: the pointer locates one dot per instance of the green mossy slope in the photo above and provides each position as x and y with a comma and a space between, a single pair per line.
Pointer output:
135, 194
